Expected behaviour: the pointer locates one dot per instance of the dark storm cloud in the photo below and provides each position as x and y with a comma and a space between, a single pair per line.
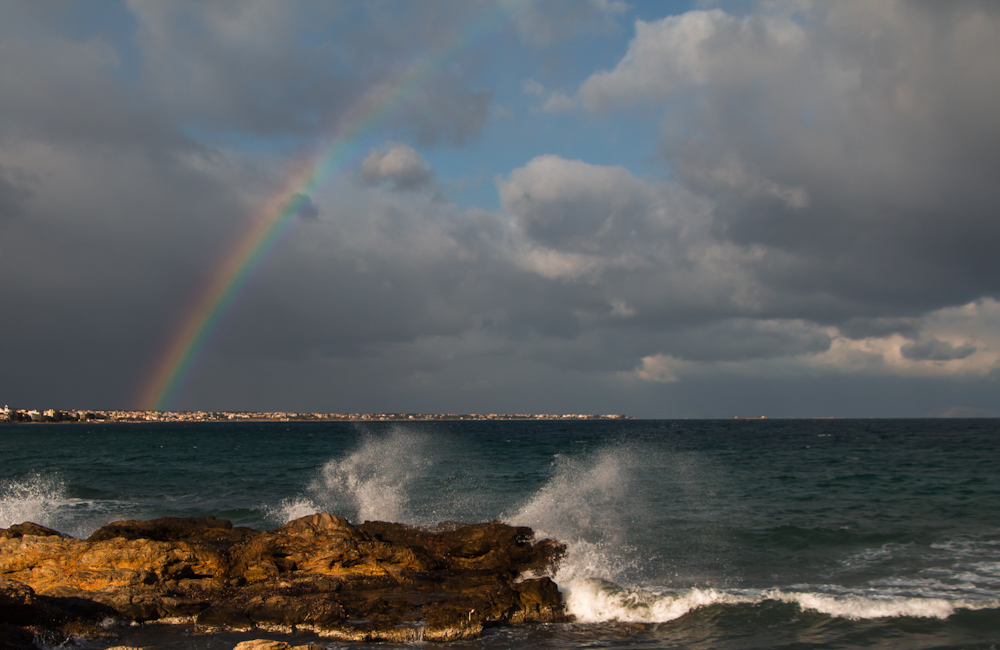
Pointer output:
829, 212
13, 196
245, 66
306, 208
127, 214
854, 143
859, 328
935, 350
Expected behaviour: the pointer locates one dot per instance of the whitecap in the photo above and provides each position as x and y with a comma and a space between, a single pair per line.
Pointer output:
598, 601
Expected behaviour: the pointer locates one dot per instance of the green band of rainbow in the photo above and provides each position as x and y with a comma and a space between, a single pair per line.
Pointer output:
190, 338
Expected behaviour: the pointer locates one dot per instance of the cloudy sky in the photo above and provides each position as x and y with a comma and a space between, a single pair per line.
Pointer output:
663, 209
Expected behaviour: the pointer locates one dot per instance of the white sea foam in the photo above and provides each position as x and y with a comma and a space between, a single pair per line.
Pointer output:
370, 483
859, 606
35, 499
596, 601
594, 503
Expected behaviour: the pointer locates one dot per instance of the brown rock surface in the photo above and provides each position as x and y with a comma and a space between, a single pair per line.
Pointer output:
374, 581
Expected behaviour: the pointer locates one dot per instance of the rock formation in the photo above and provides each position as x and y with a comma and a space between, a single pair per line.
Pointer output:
374, 581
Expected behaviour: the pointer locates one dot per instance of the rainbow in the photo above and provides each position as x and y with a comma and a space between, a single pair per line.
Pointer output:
190, 339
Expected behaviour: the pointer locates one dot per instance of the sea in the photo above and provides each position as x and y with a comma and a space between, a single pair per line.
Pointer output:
721, 534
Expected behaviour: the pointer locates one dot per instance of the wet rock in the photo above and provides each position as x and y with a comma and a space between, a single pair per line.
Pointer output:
264, 644
28, 528
27, 618
375, 581
13, 637
175, 529
223, 617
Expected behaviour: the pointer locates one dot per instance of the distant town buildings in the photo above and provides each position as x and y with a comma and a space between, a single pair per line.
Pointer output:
55, 415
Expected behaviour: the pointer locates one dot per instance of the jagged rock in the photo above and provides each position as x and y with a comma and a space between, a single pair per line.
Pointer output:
374, 581
28, 528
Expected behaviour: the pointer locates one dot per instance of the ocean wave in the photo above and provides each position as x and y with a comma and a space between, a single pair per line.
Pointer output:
797, 538
45, 499
599, 601
596, 504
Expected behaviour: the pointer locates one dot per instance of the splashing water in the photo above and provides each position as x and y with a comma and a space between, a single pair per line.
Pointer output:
33, 499
591, 504
596, 504
371, 484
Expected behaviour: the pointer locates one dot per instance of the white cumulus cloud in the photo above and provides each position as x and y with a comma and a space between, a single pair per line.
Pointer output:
398, 164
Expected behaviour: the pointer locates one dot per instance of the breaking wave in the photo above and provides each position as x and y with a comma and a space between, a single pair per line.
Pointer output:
596, 601
597, 505
371, 483
44, 499
607, 506
589, 504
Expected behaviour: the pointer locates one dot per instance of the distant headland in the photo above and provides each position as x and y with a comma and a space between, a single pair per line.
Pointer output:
85, 415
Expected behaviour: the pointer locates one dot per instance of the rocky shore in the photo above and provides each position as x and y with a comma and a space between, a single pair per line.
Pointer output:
370, 582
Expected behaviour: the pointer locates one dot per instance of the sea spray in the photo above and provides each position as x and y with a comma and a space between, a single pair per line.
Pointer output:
612, 507
34, 498
593, 504
371, 483
47, 500
731, 534
598, 504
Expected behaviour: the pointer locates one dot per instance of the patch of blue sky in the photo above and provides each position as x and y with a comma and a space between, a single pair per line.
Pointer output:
521, 78
650, 10
525, 78
469, 175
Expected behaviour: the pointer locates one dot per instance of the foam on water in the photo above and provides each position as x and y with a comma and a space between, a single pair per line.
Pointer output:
598, 601
858, 606
595, 505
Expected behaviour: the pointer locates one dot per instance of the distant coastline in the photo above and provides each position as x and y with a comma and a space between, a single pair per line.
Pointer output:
9, 415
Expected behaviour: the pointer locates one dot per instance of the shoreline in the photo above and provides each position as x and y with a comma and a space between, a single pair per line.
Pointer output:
26, 416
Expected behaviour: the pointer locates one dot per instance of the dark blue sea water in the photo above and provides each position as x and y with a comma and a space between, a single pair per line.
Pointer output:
682, 534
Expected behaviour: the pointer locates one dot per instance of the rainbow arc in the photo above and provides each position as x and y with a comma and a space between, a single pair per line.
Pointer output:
191, 337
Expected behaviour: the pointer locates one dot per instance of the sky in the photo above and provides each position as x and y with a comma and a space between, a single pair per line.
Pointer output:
659, 209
